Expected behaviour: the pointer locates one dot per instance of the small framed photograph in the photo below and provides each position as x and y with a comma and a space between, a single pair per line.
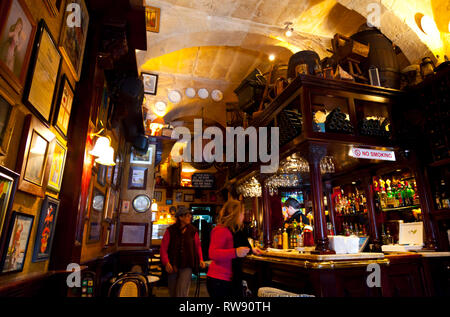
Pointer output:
133, 234
150, 82
111, 237
109, 174
17, 242
101, 175
125, 207
152, 19
43, 75
188, 197
179, 197
157, 196
137, 177
110, 204
34, 157
8, 183
146, 159
63, 107
46, 229
7, 121
96, 213
169, 202
73, 39
57, 167
17, 33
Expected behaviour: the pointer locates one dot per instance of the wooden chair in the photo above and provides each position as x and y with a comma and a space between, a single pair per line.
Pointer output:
129, 285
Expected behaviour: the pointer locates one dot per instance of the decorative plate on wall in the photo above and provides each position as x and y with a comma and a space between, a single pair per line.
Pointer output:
142, 203
174, 96
190, 92
216, 95
203, 93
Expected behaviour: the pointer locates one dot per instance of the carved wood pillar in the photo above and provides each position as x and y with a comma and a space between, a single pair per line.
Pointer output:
371, 213
331, 211
316, 152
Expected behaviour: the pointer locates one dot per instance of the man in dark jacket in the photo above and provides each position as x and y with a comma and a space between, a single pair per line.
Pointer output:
181, 253
294, 212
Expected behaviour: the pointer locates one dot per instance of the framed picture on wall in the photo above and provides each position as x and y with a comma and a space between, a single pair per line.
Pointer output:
73, 38
46, 229
125, 206
8, 187
7, 121
43, 75
150, 82
147, 159
157, 195
96, 213
101, 175
111, 239
152, 18
137, 177
109, 174
179, 197
17, 33
169, 202
57, 167
34, 157
133, 234
188, 197
111, 203
17, 242
63, 107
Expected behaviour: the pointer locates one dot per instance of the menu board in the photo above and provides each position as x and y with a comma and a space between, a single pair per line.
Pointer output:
203, 180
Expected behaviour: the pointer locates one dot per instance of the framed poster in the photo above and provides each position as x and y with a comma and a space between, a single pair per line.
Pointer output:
150, 82
133, 234
101, 175
137, 177
43, 75
17, 33
7, 121
188, 197
17, 242
179, 197
63, 107
8, 187
110, 204
46, 229
146, 159
57, 167
152, 19
73, 38
34, 157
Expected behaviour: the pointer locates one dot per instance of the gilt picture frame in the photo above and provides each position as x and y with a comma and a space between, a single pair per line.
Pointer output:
152, 18
57, 167
35, 156
40, 90
63, 107
15, 54
46, 229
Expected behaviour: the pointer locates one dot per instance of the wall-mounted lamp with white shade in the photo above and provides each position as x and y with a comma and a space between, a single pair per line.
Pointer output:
103, 150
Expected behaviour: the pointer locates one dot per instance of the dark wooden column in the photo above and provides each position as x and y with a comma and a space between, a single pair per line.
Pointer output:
426, 201
266, 215
331, 211
371, 212
316, 152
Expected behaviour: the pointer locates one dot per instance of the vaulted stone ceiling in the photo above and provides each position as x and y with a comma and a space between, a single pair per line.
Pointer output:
215, 44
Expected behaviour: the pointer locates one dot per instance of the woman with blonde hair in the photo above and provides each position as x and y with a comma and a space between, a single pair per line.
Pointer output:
222, 249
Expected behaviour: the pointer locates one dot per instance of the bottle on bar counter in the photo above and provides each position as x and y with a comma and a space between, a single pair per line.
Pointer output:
293, 236
285, 239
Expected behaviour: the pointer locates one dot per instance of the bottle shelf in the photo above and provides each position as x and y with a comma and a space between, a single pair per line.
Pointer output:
400, 208
353, 215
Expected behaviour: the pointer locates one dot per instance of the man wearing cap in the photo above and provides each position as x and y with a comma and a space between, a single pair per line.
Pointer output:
181, 252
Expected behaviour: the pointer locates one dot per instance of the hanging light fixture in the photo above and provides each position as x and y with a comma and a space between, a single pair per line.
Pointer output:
156, 125
103, 150
154, 206
288, 29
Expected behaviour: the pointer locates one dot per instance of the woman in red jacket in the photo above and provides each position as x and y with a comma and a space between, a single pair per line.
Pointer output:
222, 252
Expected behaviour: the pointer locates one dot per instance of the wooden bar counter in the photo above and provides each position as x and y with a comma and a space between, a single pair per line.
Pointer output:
347, 275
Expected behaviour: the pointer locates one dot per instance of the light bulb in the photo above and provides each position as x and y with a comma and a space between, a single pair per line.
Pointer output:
271, 57
288, 33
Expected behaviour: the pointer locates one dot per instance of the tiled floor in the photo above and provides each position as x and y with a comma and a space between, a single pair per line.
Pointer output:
163, 291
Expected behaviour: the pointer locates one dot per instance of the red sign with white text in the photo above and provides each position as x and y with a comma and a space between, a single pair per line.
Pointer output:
372, 154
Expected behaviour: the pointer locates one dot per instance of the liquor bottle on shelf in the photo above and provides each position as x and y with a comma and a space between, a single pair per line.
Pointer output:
293, 236
285, 239
280, 239
383, 235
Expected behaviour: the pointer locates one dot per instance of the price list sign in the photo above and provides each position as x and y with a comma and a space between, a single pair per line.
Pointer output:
203, 180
